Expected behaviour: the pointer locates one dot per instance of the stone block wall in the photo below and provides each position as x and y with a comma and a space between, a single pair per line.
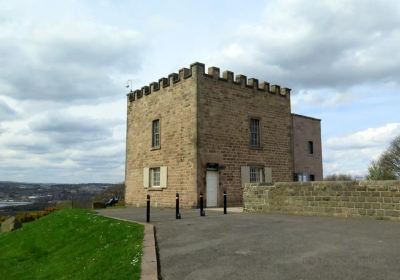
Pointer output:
205, 118
379, 199
173, 102
225, 107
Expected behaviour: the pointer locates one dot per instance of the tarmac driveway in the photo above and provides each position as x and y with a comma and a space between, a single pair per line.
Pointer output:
264, 246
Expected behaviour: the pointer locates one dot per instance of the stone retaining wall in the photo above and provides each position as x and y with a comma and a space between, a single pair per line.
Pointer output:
379, 199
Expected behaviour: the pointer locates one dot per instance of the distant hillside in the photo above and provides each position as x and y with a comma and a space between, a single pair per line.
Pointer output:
117, 190
43, 194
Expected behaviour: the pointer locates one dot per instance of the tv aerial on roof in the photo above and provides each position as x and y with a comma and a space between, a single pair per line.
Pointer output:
129, 85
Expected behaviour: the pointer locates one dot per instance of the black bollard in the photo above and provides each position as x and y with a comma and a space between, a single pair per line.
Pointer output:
177, 214
148, 209
202, 212
224, 202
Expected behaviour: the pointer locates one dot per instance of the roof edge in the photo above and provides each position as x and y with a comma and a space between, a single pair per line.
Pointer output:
306, 117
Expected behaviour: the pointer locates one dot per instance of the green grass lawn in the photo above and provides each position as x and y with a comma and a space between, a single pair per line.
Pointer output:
72, 244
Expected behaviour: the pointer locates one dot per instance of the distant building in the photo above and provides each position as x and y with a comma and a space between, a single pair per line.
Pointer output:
307, 148
197, 132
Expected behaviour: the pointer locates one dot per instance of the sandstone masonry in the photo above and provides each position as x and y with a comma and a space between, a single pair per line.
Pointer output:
197, 132
379, 199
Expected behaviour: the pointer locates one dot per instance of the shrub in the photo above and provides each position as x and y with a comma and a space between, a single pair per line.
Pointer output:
2, 218
26, 217
120, 203
99, 205
339, 177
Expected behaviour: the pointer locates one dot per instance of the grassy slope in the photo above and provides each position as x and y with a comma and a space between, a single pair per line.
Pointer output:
72, 244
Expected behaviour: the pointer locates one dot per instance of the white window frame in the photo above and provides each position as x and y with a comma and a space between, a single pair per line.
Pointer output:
148, 177
155, 177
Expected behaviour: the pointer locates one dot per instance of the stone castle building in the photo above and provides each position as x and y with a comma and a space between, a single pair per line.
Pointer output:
197, 132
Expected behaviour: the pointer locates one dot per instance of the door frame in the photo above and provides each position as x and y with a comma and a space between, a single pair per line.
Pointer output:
216, 188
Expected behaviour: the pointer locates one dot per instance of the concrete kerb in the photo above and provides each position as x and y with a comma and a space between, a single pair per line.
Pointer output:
149, 264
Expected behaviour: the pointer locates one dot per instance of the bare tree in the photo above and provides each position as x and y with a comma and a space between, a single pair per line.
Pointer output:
387, 167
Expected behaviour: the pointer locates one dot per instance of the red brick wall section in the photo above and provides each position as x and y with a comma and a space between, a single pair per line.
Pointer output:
307, 129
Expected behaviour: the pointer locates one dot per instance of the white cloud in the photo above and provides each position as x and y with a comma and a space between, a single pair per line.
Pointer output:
233, 51
69, 143
62, 148
370, 138
62, 101
66, 61
6, 112
353, 153
323, 98
324, 44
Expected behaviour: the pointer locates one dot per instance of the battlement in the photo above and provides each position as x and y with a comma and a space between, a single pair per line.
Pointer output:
198, 69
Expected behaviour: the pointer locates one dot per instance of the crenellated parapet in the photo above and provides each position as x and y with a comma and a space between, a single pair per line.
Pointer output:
198, 69
173, 78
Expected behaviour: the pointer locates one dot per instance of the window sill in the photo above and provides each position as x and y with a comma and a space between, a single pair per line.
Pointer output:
155, 189
155, 148
255, 148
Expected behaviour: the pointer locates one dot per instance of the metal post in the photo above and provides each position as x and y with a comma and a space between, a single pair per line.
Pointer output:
177, 214
224, 202
202, 212
148, 209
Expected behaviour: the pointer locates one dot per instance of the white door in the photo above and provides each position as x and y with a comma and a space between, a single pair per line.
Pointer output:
212, 188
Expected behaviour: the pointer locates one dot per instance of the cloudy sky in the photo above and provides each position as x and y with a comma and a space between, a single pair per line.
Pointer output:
64, 65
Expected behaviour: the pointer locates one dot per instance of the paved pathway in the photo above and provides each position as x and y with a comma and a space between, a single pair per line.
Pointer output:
261, 246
